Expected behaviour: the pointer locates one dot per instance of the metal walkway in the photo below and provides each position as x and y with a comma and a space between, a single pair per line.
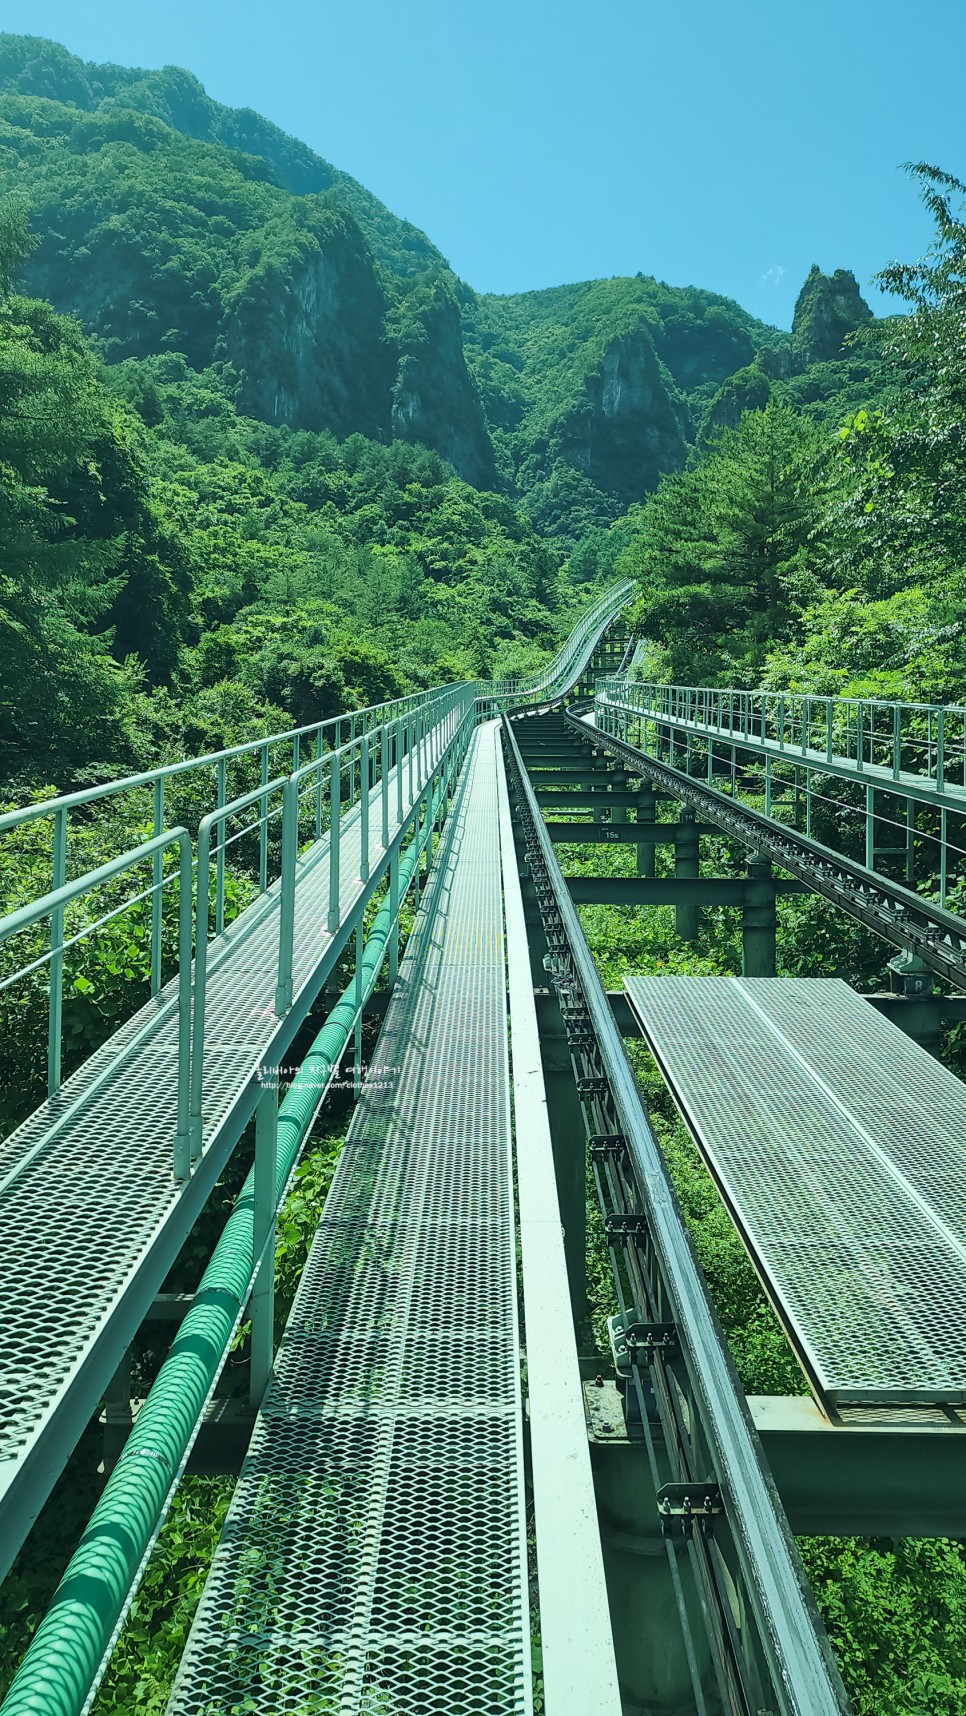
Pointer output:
374, 1559
91, 1217
838, 1146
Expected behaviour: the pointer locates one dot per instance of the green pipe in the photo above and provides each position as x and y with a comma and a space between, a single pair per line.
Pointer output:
68, 1647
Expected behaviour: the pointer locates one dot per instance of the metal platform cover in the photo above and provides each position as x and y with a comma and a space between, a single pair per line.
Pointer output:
374, 1559
839, 1146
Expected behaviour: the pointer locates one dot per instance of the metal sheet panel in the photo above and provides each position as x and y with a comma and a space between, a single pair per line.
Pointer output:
374, 1558
839, 1146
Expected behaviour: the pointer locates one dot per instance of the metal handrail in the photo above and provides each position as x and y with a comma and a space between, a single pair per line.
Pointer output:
415, 730
53, 904
431, 730
927, 739
557, 675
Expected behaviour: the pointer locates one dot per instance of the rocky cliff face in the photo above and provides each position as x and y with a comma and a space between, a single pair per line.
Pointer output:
435, 400
633, 424
171, 224
702, 345
306, 332
828, 307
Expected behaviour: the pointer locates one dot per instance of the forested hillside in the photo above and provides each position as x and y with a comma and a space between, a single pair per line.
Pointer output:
282, 458
264, 457
168, 223
816, 553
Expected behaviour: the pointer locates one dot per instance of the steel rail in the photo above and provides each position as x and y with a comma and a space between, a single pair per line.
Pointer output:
571, 660
804, 1680
896, 913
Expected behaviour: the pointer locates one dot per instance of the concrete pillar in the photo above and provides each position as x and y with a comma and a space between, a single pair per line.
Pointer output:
686, 918
758, 922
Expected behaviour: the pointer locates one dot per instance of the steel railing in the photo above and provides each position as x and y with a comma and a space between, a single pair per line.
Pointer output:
571, 659
191, 783
265, 798
926, 739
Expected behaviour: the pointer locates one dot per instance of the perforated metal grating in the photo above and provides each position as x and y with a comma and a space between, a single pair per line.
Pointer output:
374, 1558
87, 1199
840, 1148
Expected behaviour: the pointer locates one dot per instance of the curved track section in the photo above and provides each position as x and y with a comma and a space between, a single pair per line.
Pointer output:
572, 659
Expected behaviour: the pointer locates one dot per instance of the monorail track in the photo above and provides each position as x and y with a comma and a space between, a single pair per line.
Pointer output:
722, 1519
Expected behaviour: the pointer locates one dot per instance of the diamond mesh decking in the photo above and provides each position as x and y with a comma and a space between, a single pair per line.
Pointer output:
91, 1216
840, 1148
374, 1558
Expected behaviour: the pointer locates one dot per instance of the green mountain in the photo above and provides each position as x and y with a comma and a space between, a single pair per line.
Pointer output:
169, 223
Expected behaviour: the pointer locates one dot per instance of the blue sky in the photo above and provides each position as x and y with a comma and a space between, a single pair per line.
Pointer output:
724, 145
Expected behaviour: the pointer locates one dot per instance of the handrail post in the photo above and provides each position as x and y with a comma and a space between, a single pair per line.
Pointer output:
399, 771
896, 740
359, 996
202, 905
182, 1146
263, 1238
394, 919
384, 759
940, 750
55, 1015
318, 783
263, 827
286, 922
221, 801
364, 806
156, 879
335, 829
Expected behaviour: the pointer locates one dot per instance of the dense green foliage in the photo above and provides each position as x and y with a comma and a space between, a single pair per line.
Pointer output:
822, 556
168, 223
174, 576
277, 462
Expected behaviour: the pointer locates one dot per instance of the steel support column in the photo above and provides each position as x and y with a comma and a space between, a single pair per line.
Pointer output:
758, 920
686, 917
646, 813
263, 1289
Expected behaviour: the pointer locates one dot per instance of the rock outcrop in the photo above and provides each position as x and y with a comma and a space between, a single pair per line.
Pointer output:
828, 307
305, 330
435, 400
633, 423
